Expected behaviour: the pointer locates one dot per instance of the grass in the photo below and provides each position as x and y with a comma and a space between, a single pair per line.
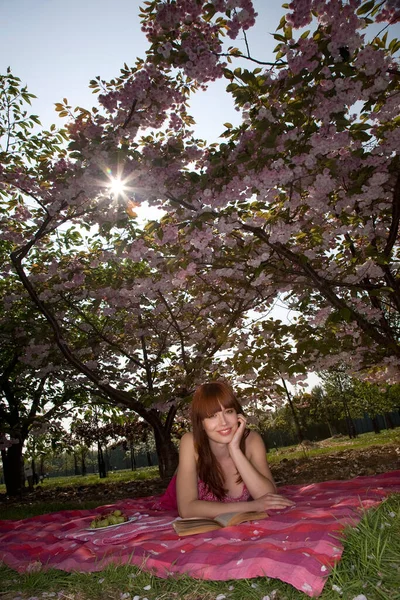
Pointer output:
124, 475
362, 442
15, 512
93, 478
22, 511
370, 566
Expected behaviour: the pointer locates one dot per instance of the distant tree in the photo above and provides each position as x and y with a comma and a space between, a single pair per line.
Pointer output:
340, 396
29, 399
339, 385
374, 400
132, 434
323, 408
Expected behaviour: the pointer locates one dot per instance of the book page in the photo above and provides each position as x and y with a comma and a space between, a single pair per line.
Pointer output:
194, 525
234, 518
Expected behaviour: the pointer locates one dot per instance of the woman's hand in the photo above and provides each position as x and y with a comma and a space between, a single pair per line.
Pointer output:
234, 444
272, 501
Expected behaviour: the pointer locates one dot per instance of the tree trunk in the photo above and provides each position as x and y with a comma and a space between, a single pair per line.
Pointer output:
35, 473
349, 420
13, 469
300, 435
133, 457
149, 461
375, 425
332, 428
42, 471
83, 463
76, 466
350, 427
166, 452
107, 460
101, 462
388, 421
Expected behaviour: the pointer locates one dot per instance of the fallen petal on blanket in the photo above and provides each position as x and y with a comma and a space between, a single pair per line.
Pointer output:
34, 567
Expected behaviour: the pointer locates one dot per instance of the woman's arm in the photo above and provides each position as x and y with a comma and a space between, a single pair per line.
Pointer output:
252, 466
186, 477
254, 470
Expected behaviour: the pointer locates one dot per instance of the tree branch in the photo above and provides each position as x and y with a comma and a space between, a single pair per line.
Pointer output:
177, 329
326, 290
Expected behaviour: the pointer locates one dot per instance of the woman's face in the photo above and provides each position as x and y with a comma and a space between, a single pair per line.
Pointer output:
221, 426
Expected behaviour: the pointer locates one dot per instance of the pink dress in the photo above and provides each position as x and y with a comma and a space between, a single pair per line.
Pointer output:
205, 494
168, 500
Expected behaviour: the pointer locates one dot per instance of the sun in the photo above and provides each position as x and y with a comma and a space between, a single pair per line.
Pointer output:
116, 187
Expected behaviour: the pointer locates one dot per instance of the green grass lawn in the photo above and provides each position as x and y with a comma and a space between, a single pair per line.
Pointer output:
125, 475
363, 441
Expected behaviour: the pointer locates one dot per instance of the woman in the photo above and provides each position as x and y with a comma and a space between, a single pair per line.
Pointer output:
222, 465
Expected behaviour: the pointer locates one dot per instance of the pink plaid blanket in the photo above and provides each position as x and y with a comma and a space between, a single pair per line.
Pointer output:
298, 545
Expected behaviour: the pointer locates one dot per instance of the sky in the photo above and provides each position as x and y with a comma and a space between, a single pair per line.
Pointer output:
56, 47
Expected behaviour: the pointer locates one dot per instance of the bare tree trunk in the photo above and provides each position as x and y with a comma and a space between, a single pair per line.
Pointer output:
76, 467
375, 425
388, 421
83, 463
41, 472
300, 435
167, 454
13, 469
133, 457
101, 462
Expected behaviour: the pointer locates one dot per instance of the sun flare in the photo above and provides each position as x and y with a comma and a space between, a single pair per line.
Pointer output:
117, 186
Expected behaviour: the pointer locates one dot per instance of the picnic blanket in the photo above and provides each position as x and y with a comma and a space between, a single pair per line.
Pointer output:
298, 545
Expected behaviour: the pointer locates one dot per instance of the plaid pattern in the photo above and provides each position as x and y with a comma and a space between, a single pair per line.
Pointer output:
298, 545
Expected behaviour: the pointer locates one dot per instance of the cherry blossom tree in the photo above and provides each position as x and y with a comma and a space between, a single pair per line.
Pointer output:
308, 184
129, 311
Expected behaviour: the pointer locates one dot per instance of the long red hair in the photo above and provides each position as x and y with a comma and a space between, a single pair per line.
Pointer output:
207, 400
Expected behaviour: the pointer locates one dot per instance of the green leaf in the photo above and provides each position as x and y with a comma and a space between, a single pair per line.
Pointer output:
394, 45
288, 32
363, 136
282, 23
365, 8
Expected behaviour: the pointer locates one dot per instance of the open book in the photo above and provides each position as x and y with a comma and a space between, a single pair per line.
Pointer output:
192, 525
